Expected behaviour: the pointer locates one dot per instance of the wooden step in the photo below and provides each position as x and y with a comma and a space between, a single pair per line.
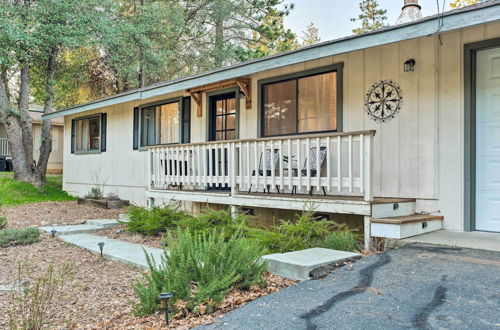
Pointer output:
409, 219
405, 226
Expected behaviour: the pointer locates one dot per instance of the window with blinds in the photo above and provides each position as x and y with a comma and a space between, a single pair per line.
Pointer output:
300, 105
160, 124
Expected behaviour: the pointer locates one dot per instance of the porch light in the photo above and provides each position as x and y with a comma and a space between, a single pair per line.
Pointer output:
53, 232
164, 297
409, 65
101, 246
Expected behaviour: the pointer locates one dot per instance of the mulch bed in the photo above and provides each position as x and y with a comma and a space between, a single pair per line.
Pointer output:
54, 213
100, 293
121, 233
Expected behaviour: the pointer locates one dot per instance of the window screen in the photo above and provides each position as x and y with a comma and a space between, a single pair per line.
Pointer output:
300, 105
280, 108
88, 134
160, 124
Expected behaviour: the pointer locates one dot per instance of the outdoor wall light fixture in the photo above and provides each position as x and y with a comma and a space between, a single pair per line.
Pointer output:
101, 246
53, 232
164, 297
409, 65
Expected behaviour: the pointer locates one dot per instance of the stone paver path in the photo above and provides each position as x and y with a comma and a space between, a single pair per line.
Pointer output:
81, 236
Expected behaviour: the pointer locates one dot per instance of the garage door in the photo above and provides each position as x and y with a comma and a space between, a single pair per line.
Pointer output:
488, 140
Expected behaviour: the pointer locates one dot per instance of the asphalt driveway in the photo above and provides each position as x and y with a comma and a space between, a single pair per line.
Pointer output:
415, 287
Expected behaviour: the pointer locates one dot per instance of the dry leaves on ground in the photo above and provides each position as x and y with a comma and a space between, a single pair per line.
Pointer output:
123, 234
54, 213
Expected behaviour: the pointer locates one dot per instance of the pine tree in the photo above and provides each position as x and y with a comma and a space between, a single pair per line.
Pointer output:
311, 35
372, 17
462, 3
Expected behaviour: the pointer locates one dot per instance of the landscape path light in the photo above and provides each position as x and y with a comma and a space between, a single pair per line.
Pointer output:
164, 297
101, 246
53, 232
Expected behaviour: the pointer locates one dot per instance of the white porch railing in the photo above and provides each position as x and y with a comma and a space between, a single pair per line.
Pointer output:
330, 163
4, 147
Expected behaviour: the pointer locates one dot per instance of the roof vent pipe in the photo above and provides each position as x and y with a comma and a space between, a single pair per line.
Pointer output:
410, 12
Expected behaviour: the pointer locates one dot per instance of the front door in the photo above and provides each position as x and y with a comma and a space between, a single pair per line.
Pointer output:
488, 140
222, 127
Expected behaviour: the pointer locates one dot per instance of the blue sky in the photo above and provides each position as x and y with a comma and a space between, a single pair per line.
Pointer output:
332, 17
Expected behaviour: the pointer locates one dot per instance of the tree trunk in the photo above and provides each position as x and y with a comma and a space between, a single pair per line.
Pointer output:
25, 118
9, 119
219, 41
46, 138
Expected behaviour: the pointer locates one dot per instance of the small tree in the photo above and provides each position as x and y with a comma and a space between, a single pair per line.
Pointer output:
372, 17
311, 35
462, 3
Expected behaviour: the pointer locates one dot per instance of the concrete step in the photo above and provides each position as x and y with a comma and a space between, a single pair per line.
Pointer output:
124, 217
405, 226
298, 265
129, 253
88, 227
397, 209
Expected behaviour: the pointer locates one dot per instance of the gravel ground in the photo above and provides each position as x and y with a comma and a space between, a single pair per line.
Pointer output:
415, 287
54, 213
123, 234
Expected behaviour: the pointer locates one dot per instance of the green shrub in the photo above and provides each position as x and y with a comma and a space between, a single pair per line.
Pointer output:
9, 237
201, 269
95, 193
3, 222
341, 240
210, 219
157, 220
307, 231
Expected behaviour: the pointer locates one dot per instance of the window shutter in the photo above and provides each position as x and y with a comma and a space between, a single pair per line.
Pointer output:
104, 117
186, 120
73, 135
136, 129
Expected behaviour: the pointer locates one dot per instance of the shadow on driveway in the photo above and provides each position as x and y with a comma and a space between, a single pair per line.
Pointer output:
415, 287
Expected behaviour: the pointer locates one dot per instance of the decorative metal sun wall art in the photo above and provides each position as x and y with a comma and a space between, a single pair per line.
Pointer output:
383, 101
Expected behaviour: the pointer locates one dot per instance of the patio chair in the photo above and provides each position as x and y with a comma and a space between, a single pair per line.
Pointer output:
315, 167
268, 164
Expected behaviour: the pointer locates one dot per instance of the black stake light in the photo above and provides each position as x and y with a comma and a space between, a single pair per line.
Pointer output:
101, 246
53, 232
164, 297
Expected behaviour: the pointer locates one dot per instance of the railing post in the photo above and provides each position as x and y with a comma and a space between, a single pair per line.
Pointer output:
232, 167
368, 167
150, 167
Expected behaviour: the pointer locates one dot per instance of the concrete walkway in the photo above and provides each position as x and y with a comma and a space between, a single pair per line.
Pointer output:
473, 240
130, 253
81, 236
415, 287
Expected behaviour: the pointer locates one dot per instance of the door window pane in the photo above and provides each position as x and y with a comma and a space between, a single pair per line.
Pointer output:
280, 108
318, 103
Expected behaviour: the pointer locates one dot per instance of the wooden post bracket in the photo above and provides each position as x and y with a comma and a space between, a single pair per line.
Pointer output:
245, 85
197, 98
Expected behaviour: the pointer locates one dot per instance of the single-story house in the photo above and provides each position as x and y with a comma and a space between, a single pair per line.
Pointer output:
396, 131
55, 164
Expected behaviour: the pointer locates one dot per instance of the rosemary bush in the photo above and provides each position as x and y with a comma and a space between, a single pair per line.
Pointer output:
200, 269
